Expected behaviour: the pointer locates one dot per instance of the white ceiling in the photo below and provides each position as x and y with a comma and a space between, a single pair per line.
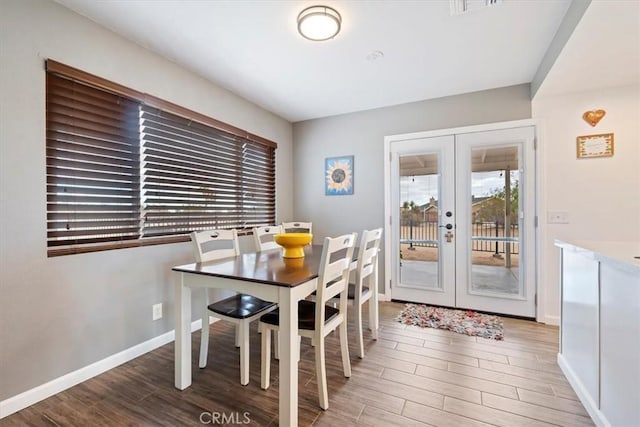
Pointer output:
252, 48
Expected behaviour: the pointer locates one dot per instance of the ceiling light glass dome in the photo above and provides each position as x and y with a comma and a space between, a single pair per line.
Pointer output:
319, 23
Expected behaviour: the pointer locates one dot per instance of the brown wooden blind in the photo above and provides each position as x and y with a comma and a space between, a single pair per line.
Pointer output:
128, 169
93, 173
197, 177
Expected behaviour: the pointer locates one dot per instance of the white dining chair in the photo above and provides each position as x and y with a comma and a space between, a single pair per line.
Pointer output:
315, 318
239, 309
263, 237
366, 283
297, 227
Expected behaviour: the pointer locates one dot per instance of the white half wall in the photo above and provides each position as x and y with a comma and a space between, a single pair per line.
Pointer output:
600, 195
58, 315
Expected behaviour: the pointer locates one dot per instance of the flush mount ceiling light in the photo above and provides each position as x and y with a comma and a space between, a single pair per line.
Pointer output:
319, 23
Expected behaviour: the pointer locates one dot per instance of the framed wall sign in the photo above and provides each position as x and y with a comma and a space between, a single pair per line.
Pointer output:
338, 176
600, 145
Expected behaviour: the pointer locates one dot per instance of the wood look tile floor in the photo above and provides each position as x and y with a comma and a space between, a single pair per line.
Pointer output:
409, 377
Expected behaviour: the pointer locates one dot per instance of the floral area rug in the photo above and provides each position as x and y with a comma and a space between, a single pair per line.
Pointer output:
461, 321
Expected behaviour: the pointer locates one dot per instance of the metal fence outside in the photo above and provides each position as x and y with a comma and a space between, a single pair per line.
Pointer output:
425, 234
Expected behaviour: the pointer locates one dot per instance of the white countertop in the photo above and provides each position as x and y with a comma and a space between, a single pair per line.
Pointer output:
622, 254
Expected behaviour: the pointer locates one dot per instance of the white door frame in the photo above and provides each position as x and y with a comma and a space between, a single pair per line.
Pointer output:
539, 230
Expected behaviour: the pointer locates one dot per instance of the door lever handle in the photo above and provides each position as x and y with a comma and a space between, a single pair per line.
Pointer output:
448, 226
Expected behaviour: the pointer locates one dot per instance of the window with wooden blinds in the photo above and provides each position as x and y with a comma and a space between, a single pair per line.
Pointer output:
93, 167
196, 177
128, 169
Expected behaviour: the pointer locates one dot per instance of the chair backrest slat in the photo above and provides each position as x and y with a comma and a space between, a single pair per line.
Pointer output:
263, 237
367, 256
297, 227
210, 245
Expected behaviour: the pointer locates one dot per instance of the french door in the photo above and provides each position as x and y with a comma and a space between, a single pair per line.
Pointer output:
462, 220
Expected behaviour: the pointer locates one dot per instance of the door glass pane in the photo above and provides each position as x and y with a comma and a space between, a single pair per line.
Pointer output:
495, 237
419, 195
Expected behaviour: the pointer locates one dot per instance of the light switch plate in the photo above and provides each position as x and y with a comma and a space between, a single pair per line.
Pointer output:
557, 217
157, 311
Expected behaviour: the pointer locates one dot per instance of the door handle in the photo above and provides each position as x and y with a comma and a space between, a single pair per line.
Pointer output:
448, 226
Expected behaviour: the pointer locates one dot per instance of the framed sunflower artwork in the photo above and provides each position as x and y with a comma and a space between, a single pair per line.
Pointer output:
338, 176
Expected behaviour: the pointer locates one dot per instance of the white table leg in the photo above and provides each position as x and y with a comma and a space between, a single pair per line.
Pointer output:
288, 340
182, 323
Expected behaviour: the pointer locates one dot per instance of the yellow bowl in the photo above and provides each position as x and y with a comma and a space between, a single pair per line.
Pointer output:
293, 243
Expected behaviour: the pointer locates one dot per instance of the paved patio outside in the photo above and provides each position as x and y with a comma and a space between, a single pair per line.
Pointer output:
484, 278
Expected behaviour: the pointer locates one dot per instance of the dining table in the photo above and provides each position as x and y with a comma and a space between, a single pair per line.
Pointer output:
266, 275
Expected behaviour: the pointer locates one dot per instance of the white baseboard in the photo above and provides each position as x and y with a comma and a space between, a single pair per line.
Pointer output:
383, 297
41, 392
551, 320
588, 402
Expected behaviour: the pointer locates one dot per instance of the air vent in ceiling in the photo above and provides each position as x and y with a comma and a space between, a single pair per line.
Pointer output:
461, 6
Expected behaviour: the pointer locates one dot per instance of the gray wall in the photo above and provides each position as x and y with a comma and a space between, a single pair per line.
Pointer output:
60, 314
362, 135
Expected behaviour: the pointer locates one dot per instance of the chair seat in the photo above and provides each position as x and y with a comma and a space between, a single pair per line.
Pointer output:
306, 315
240, 306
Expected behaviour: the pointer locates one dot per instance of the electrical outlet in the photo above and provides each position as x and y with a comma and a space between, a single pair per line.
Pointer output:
157, 311
558, 217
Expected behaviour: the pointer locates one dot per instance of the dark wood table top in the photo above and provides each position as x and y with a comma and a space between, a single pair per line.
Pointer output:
267, 267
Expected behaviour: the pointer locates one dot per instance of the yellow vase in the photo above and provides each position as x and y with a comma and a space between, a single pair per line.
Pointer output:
293, 243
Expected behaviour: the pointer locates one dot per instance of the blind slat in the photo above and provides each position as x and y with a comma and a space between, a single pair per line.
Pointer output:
110, 222
133, 209
53, 135
106, 238
62, 146
64, 171
203, 187
114, 230
89, 216
79, 182
69, 167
